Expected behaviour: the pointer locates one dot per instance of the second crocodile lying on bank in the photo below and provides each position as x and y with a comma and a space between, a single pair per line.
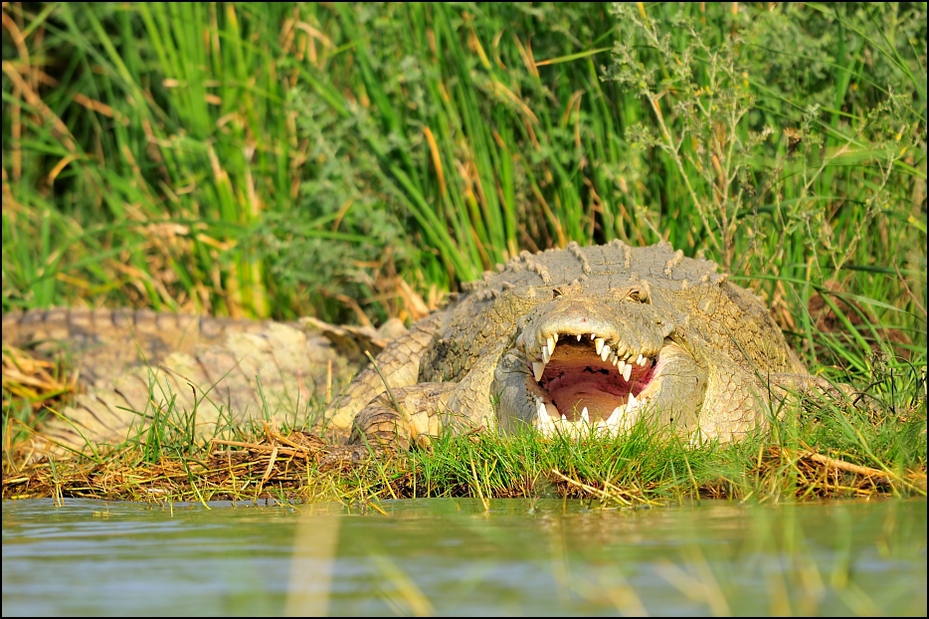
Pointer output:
581, 341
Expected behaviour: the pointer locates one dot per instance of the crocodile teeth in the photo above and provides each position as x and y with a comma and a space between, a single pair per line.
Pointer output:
545, 421
551, 421
632, 402
616, 417
537, 368
558, 423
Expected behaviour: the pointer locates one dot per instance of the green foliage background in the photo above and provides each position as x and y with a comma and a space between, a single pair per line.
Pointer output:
281, 159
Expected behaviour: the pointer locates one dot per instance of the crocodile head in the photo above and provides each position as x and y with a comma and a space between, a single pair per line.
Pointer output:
599, 362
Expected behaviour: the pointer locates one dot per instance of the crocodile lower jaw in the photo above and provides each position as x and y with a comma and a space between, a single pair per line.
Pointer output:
550, 421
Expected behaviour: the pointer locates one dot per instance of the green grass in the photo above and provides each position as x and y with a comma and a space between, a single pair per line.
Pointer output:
830, 454
283, 160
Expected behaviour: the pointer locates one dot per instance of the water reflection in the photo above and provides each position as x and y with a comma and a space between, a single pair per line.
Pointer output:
444, 556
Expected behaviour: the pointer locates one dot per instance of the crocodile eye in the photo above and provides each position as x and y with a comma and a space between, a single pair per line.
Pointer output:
639, 294
557, 292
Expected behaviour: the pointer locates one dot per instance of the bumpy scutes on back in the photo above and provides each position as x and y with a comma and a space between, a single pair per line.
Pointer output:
616, 264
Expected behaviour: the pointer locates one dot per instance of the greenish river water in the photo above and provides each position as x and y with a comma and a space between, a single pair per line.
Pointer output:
453, 557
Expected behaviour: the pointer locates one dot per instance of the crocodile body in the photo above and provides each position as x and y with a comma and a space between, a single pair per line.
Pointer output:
583, 340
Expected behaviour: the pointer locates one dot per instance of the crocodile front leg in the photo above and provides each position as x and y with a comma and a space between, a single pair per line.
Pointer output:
402, 417
418, 413
397, 365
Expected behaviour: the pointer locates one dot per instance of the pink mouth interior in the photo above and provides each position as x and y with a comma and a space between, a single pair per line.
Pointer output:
576, 377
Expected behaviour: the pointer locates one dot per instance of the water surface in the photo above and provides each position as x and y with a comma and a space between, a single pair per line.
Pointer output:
453, 557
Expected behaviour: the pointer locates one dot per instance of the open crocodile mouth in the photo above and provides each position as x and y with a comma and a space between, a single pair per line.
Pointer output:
583, 383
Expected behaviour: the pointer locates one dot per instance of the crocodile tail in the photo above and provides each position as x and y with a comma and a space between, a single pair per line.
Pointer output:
136, 367
107, 341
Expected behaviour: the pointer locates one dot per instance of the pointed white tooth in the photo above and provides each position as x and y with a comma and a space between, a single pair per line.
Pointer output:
545, 354
593, 336
551, 345
627, 372
563, 417
545, 421
537, 368
585, 416
578, 337
620, 366
613, 358
616, 417
555, 338
605, 352
543, 411
640, 360
632, 402
598, 343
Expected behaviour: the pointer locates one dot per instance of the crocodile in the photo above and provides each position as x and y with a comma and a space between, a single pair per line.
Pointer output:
583, 341
579, 341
